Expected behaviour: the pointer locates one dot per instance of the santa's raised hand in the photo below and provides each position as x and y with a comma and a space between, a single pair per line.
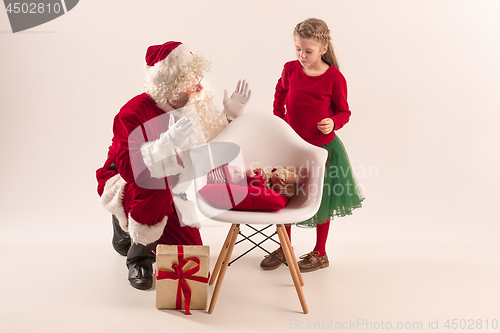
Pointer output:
179, 131
235, 105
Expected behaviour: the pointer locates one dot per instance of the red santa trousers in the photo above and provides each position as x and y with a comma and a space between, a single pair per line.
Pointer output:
149, 213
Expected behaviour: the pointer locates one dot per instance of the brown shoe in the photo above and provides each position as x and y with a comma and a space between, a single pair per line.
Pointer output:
269, 262
311, 262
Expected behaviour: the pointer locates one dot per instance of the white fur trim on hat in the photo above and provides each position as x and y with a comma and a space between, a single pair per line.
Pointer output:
146, 234
112, 199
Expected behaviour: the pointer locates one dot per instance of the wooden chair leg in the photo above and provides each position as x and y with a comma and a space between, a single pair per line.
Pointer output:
235, 228
294, 258
222, 255
286, 250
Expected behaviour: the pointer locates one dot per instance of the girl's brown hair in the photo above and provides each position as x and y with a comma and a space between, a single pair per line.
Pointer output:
317, 29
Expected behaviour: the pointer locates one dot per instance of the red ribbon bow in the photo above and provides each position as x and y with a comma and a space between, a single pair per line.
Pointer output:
181, 275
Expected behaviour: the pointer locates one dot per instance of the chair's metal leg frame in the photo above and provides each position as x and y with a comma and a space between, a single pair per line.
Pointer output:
225, 256
257, 231
223, 251
263, 234
267, 237
248, 238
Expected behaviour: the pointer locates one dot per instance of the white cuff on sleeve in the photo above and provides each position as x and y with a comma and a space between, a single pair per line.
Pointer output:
160, 158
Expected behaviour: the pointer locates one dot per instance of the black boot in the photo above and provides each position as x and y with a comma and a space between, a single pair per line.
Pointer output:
121, 239
140, 259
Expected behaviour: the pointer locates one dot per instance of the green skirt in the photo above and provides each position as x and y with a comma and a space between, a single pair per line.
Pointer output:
341, 192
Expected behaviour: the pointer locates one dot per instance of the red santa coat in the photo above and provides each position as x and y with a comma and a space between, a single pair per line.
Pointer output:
142, 202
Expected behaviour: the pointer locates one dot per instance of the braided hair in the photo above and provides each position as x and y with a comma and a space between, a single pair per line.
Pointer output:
317, 29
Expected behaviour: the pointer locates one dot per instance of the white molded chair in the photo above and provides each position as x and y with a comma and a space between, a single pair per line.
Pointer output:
264, 141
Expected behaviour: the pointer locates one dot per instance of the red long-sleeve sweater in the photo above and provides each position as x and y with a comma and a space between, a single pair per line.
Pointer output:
303, 101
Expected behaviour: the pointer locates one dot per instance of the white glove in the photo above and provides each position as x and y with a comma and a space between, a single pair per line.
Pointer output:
235, 106
180, 131
159, 155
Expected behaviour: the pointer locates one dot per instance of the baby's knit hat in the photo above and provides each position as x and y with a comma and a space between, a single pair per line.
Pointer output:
219, 175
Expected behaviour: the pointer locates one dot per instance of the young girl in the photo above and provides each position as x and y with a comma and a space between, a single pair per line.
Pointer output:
314, 93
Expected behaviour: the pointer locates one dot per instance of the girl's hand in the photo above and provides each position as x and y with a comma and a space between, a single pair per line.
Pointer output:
326, 125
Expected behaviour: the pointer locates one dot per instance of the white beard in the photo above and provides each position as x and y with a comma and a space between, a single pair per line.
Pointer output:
208, 123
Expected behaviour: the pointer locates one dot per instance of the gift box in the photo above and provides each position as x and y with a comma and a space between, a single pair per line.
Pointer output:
182, 273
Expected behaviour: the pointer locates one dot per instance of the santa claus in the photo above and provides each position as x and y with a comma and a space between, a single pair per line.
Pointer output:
148, 169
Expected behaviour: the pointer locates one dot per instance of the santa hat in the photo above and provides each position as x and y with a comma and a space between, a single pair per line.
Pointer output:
164, 62
170, 68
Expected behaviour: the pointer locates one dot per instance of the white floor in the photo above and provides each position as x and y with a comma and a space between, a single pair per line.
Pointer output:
382, 275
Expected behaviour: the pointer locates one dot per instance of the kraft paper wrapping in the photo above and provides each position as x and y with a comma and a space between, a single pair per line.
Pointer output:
166, 289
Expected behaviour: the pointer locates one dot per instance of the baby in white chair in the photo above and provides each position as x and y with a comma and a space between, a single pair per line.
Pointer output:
285, 181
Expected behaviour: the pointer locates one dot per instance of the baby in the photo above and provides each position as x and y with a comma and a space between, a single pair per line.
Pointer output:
284, 180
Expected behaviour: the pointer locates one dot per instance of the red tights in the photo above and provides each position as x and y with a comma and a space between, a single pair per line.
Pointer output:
321, 236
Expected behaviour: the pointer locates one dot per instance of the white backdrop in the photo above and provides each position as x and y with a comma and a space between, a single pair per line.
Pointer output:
423, 80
